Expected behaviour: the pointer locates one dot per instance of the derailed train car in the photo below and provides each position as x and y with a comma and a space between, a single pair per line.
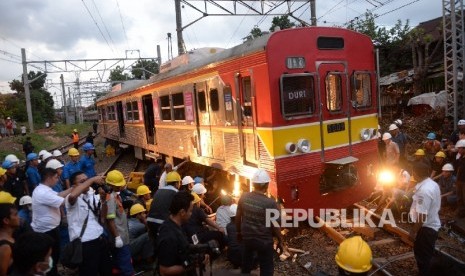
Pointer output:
300, 103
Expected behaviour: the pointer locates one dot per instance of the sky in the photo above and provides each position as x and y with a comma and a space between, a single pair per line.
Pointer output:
95, 29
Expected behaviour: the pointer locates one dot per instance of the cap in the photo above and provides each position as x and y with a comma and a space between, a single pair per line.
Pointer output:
136, 209
88, 146
57, 153
440, 154
32, 156
54, 164
7, 164
448, 167
25, 200
143, 190
73, 152
187, 179
42, 153
46, 155
199, 189
12, 158
431, 136
398, 122
393, 127
420, 152
460, 144
387, 136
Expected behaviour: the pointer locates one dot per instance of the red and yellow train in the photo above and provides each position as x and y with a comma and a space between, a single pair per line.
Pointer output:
300, 103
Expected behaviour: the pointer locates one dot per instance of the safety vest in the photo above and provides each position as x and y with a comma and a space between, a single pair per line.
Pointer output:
75, 137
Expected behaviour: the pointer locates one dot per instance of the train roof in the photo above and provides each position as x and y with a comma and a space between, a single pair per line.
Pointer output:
248, 46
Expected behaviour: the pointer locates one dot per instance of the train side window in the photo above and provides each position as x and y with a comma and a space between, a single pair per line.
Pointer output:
297, 95
361, 91
100, 114
214, 100
128, 111
333, 92
202, 101
228, 104
111, 113
178, 106
165, 108
247, 96
132, 111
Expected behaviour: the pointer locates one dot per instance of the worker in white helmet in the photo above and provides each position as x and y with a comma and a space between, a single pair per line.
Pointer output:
392, 150
257, 234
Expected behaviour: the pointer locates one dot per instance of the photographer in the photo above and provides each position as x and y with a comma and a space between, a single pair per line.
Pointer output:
171, 245
80, 204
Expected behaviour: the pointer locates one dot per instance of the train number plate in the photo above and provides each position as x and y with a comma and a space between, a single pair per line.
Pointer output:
336, 127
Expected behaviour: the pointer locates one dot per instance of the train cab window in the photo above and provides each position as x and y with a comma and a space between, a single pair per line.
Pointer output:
132, 111
111, 113
165, 108
333, 92
202, 101
247, 96
361, 91
100, 114
178, 106
297, 95
214, 100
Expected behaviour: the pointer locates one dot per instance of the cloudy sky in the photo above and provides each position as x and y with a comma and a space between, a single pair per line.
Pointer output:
93, 29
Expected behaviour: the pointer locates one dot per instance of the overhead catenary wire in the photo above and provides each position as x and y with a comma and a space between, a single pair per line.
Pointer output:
103, 22
96, 24
122, 24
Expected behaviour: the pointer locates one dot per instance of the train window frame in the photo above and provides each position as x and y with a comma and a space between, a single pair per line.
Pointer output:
202, 100
312, 90
355, 90
339, 107
111, 112
165, 107
177, 100
214, 100
132, 111
247, 94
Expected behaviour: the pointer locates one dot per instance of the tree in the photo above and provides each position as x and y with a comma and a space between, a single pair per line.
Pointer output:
254, 33
282, 22
118, 74
144, 69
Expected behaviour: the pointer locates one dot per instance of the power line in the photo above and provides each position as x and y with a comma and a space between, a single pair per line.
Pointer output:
122, 24
398, 8
104, 25
101, 33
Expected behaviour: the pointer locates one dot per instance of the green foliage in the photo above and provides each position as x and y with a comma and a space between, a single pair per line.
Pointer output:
282, 22
254, 33
144, 68
66, 130
118, 74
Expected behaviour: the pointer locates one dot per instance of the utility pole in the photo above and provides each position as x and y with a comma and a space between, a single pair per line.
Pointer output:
181, 50
26, 91
313, 12
65, 108
79, 107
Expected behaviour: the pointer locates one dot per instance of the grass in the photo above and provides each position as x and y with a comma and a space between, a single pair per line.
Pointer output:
16, 146
67, 130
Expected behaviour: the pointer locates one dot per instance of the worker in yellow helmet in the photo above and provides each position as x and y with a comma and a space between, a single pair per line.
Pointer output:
71, 167
144, 196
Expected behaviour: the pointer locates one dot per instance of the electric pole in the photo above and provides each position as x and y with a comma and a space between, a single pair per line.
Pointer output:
26, 91
179, 28
65, 108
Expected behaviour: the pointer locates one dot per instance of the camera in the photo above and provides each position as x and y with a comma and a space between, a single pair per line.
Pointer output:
196, 254
105, 188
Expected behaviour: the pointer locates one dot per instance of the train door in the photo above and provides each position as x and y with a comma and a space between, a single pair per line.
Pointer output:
203, 120
216, 114
335, 113
247, 114
119, 113
149, 122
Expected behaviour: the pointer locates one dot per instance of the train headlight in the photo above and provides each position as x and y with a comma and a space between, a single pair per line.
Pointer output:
291, 147
386, 178
365, 134
304, 145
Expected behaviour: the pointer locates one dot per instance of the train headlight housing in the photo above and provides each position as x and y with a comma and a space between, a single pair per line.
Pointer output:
291, 148
304, 145
365, 134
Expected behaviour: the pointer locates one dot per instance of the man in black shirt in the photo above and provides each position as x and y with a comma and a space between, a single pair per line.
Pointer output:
252, 226
27, 146
152, 175
171, 245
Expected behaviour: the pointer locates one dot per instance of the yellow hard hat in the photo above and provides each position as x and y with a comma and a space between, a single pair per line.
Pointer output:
440, 154
136, 209
420, 152
173, 177
196, 197
75, 130
6, 197
2, 171
115, 178
73, 152
143, 190
354, 255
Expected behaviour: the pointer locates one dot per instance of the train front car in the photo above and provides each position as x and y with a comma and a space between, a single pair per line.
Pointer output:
321, 129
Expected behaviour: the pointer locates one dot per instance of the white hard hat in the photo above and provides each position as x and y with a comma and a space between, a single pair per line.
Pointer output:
398, 122
261, 177
54, 164
199, 189
12, 158
448, 167
56, 153
393, 127
187, 179
387, 136
461, 123
42, 153
460, 144
233, 210
25, 200
46, 155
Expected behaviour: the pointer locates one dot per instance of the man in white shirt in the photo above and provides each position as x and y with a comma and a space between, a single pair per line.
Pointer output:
80, 204
46, 215
424, 212
169, 168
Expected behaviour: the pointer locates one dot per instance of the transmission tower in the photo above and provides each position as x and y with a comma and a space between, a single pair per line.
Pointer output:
454, 53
